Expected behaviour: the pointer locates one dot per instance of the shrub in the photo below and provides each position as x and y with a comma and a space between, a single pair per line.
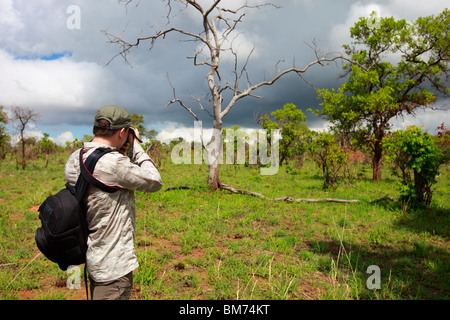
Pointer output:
416, 159
329, 157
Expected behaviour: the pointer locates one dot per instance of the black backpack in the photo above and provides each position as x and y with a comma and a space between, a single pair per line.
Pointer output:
62, 238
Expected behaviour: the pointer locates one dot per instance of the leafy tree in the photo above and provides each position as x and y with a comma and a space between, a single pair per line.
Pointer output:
294, 131
137, 121
151, 134
75, 144
397, 68
87, 137
46, 145
418, 158
329, 157
153, 146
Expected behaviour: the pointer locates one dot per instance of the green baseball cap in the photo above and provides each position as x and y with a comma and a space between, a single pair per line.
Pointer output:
117, 117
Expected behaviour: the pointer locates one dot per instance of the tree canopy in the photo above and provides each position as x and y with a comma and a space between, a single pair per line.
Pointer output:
291, 121
398, 67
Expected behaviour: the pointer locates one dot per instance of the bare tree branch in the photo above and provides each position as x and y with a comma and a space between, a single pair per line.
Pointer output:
20, 118
201, 106
175, 99
249, 90
219, 24
211, 9
127, 46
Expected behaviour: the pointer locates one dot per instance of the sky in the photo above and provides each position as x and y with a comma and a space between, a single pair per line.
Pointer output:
55, 60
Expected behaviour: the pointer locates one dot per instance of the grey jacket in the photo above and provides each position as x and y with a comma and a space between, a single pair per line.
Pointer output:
112, 216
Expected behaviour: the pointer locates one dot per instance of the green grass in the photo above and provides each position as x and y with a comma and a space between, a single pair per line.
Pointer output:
198, 244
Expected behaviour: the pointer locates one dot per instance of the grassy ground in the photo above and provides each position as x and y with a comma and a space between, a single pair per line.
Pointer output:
196, 244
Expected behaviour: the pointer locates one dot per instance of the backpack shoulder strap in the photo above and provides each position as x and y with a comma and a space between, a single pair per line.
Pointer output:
87, 169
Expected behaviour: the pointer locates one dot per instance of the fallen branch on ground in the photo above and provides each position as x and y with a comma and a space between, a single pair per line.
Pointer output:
179, 188
382, 199
289, 199
259, 195
237, 191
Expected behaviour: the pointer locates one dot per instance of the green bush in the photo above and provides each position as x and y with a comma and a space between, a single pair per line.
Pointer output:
329, 157
416, 160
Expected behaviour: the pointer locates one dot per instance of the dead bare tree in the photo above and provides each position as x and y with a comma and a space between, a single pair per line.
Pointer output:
21, 117
216, 37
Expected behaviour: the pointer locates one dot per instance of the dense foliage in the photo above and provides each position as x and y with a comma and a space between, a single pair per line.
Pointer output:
417, 159
329, 157
397, 67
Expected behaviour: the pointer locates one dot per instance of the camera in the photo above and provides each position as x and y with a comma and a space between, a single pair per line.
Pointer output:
134, 134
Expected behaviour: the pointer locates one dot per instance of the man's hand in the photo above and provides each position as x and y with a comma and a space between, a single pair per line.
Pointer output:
124, 148
132, 133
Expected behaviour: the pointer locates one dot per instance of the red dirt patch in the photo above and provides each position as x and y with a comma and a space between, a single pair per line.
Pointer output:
34, 208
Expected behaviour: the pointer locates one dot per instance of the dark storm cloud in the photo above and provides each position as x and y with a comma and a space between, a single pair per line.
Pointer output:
71, 87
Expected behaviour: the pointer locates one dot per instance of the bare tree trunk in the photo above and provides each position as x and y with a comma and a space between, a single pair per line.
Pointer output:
16, 151
376, 161
23, 148
213, 177
46, 158
214, 156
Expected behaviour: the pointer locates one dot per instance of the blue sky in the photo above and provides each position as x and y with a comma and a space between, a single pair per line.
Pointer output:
62, 72
49, 57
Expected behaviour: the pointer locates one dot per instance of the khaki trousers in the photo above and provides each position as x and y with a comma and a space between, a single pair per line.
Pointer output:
119, 289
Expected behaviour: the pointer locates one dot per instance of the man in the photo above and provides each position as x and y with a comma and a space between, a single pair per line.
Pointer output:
111, 256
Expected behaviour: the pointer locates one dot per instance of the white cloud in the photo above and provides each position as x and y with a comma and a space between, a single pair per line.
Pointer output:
340, 33
428, 119
35, 134
64, 137
32, 132
399, 9
173, 130
48, 84
412, 9
62, 87
242, 44
9, 17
